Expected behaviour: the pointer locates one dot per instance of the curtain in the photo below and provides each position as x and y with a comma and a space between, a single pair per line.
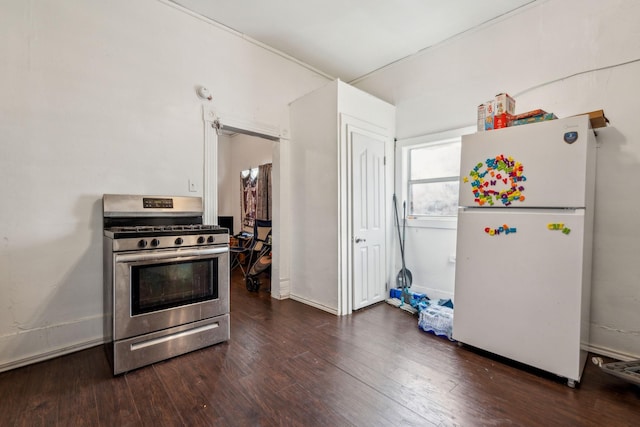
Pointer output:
264, 192
256, 194
248, 181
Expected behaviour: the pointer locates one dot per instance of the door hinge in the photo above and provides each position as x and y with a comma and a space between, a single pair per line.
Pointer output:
384, 161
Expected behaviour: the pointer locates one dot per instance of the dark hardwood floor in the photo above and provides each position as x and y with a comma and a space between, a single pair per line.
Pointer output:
290, 364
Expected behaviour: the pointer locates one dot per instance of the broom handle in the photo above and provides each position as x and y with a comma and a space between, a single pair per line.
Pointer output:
404, 226
395, 206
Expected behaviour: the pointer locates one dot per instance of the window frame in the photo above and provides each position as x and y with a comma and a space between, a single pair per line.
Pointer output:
403, 174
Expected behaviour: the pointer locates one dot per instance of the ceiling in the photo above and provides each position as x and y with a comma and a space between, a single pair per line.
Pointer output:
349, 39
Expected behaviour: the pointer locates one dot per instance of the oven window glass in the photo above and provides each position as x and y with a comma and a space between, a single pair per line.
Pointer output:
160, 286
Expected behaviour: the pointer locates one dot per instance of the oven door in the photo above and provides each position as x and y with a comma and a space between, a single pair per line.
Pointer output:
155, 290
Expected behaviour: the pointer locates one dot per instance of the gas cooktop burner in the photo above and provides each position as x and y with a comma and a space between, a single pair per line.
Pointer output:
163, 230
168, 228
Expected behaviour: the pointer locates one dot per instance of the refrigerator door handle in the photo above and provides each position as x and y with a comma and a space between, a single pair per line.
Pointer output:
510, 211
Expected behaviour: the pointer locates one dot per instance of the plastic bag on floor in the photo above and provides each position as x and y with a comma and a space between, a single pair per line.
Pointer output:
437, 319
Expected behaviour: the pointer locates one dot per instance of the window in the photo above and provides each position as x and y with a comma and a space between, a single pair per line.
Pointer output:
433, 171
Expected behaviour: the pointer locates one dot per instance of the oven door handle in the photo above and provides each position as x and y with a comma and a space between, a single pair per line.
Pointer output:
180, 253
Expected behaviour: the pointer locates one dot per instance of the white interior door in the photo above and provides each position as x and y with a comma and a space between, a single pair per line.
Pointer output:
368, 217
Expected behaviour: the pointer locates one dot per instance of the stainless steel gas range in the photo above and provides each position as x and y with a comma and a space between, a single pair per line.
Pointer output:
166, 279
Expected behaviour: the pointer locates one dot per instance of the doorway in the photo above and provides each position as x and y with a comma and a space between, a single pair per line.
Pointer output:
229, 150
239, 155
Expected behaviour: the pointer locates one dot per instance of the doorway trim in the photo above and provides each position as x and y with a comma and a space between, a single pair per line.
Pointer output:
213, 124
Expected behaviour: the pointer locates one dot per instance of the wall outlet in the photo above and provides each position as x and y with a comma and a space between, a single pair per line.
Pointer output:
193, 187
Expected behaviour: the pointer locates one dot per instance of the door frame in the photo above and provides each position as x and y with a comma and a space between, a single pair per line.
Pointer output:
213, 121
345, 224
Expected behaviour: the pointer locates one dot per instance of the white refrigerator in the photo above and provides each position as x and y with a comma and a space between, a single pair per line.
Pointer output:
524, 244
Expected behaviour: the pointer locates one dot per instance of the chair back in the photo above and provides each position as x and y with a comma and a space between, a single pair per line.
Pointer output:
261, 234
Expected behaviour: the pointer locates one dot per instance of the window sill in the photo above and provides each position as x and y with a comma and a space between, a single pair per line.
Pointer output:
449, 222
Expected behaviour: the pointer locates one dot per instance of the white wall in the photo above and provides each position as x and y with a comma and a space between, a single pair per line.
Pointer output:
315, 198
99, 97
237, 153
567, 57
321, 123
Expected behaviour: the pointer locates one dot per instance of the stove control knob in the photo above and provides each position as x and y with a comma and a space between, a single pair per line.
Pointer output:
179, 241
210, 239
155, 242
201, 239
142, 243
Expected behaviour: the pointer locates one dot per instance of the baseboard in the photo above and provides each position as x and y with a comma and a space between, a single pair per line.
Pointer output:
50, 355
314, 304
39, 344
614, 354
284, 291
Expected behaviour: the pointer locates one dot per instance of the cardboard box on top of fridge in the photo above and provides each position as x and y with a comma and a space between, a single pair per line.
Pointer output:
597, 119
505, 104
486, 112
496, 113
482, 114
533, 119
501, 120
532, 113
